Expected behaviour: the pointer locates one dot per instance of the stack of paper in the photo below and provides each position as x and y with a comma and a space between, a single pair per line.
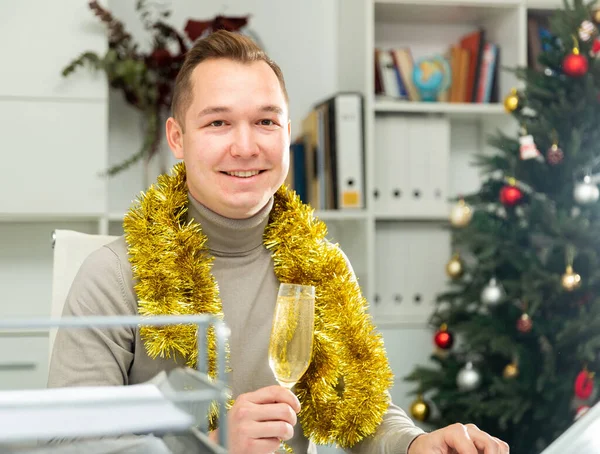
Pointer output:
79, 412
583, 437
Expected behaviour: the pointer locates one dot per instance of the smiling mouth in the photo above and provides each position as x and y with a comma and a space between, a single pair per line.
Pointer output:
244, 174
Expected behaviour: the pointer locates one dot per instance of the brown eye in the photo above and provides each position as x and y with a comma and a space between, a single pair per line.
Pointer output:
217, 123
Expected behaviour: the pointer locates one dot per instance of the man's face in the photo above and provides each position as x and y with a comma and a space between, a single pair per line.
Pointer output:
237, 137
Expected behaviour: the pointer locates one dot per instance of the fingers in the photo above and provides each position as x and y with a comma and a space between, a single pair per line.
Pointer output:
464, 439
277, 430
484, 442
260, 419
275, 412
273, 394
457, 437
258, 437
504, 448
266, 412
263, 445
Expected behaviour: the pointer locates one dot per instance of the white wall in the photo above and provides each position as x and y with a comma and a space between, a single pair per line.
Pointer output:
299, 35
54, 140
54, 133
43, 136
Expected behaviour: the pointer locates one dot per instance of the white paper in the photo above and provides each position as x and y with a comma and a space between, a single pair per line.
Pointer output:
77, 412
583, 437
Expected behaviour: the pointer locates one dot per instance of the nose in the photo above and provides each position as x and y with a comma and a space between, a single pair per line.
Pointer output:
244, 144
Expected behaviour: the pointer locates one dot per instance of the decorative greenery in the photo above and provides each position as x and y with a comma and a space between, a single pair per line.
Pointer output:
147, 79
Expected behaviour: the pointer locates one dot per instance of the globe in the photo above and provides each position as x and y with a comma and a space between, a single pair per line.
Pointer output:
431, 75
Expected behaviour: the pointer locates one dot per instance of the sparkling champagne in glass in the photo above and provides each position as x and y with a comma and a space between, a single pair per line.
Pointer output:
291, 344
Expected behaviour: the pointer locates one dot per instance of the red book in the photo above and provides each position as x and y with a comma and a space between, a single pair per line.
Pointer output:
474, 43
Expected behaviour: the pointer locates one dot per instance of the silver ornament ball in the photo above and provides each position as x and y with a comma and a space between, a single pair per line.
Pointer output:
468, 378
492, 293
586, 192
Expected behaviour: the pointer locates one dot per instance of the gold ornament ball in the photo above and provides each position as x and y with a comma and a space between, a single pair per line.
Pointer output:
420, 410
461, 214
511, 102
596, 16
511, 371
454, 268
570, 280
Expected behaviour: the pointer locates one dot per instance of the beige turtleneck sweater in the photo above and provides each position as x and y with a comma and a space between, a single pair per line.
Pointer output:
248, 289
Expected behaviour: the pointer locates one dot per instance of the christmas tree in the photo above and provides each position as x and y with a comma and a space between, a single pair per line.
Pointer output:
518, 329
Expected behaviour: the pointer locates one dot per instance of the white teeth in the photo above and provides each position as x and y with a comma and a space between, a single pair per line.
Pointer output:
246, 174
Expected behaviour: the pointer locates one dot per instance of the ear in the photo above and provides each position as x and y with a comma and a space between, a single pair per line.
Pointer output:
175, 138
289, 128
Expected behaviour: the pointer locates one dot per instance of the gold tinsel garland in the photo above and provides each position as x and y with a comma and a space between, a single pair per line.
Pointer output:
343, 393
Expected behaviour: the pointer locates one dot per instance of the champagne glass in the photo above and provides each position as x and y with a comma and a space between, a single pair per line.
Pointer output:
291, 344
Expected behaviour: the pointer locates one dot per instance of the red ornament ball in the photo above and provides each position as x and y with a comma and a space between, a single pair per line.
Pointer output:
524, 324
595, 50
584, 384
554, 155
444, 339
575, 65
510, 195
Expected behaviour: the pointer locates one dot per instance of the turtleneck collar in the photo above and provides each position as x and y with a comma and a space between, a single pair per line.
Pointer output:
230, 236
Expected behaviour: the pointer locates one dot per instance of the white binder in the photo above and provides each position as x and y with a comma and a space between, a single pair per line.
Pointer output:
411, 175
392, 174
349, 150
409, 270
429, 149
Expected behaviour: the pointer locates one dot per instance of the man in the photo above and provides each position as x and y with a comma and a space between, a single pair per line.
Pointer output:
208, 239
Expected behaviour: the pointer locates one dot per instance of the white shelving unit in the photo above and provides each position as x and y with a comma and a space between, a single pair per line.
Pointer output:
418, 154
453, 111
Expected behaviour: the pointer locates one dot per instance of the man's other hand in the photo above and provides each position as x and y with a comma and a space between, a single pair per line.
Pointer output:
458, 439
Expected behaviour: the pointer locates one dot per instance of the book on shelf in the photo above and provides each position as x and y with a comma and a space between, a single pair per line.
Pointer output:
473, 62
538, 35
327, 160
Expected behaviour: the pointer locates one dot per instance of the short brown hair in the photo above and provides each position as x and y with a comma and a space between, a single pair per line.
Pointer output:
220, 44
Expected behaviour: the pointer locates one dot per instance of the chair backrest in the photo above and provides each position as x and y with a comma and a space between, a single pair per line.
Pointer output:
71, 248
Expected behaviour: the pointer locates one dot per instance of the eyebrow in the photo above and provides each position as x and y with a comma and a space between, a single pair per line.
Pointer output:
271, 108
222, 109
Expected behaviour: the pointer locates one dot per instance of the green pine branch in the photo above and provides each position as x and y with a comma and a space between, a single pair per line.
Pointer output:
86, 59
